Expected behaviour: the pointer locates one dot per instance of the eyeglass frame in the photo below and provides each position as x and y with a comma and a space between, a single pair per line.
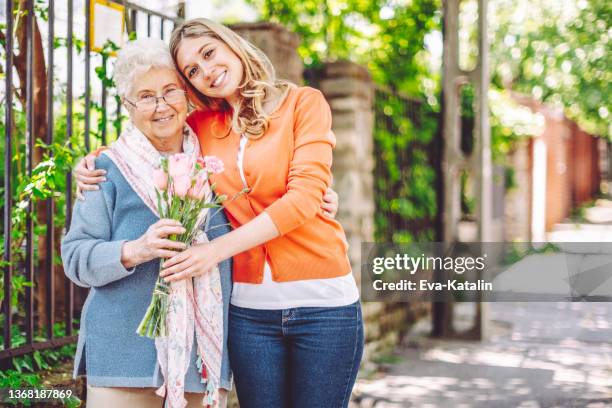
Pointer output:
157, 98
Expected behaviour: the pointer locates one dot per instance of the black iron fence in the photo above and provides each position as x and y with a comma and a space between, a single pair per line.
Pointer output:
407, 173
42, 137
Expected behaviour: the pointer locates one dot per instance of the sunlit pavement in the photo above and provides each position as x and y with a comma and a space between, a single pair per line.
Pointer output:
596, 225
537, 355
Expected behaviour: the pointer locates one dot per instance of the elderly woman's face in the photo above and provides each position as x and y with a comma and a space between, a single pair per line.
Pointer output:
160, 119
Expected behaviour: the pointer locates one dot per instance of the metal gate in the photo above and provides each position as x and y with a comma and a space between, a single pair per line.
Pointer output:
42, 136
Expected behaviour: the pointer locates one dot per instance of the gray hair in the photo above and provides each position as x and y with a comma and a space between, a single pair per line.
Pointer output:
136, 58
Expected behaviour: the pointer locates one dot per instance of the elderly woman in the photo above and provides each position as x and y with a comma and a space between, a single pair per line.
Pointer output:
114, 245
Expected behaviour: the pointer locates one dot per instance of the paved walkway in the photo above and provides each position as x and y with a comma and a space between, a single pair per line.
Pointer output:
538, 355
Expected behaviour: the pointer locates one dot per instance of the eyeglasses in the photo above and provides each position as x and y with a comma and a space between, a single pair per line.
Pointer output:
149, 103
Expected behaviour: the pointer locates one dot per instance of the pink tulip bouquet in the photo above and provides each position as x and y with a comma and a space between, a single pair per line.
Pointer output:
182, 191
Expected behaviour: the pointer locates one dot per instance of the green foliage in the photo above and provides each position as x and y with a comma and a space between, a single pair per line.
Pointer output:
40, 359
14, 379
48, 180
388, 359
59, 42
468, 203
99, 112
18, 285
557, 52
41, 10
520, 250
26, 371
579, 213
389, 39
405, 196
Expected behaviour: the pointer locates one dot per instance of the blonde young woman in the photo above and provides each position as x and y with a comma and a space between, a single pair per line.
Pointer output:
295, 325
296, 333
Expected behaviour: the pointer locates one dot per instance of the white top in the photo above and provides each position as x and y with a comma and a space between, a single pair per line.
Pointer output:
332, 292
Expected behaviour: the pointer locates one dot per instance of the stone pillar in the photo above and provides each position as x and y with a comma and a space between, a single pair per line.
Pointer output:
454, 161
349, 91
279, 44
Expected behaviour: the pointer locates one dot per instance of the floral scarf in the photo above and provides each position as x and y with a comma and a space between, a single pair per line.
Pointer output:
195, 305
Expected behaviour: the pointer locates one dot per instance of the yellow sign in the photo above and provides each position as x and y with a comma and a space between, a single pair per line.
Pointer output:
107, 22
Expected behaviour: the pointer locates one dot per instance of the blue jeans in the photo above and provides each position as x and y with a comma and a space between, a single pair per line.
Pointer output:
294, 358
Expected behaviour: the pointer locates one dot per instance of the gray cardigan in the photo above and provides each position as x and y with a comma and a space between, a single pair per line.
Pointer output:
109, 351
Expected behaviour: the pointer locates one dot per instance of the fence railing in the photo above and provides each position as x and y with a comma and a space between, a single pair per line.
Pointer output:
407, 172
29, 256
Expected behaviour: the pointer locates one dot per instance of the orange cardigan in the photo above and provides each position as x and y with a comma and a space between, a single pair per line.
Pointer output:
288, 170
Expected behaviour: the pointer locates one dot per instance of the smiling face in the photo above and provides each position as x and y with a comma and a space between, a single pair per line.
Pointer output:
211, 67
161, 124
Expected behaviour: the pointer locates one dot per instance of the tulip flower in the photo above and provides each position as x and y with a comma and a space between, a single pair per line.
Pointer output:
179, 165
199, 190
160, 179
181, 185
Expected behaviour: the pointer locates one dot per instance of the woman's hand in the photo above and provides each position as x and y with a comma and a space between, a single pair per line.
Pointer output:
87, 177
330, 203
153, 244
194, 261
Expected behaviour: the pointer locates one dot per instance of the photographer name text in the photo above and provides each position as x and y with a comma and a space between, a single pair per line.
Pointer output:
423, 284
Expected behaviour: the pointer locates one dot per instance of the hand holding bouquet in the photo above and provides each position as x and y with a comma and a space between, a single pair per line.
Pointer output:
182, 191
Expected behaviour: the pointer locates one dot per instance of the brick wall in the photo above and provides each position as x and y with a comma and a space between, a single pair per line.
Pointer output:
573, 173
584, 165
558, 138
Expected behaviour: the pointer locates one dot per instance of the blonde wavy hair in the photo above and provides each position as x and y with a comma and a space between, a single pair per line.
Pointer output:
259, 80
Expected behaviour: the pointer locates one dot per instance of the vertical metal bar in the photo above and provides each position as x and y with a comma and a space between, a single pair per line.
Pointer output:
133, 18
452, 159
69, 51
29, 266
118, 115
132, 27
8, 149
482, 132
161, 28
50, 239
87, 69
148, 25
103, 104
442, 312
69, 288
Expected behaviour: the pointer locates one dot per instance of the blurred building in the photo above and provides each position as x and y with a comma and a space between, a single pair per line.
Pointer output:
557, 171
